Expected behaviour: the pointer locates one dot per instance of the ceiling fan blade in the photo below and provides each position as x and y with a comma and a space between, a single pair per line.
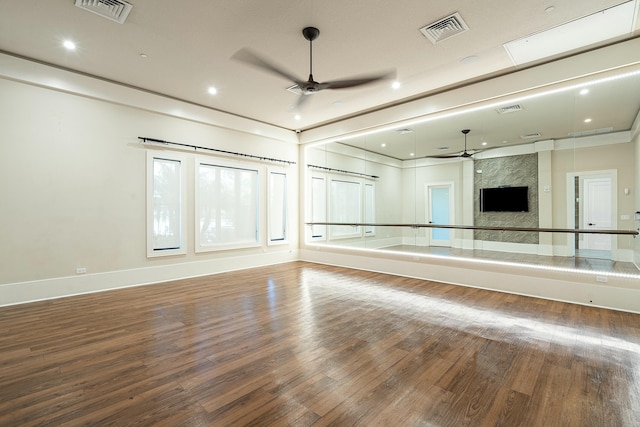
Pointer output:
463, 155
252, 58
342, 84
445, 156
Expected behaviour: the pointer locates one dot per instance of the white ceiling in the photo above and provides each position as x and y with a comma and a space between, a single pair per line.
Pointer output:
188, 47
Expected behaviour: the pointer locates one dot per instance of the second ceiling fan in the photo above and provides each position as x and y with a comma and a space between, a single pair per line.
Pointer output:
465, 154
309, 86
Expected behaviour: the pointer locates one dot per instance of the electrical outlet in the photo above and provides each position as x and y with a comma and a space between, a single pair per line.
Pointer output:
624, 217
602, 279
81, 270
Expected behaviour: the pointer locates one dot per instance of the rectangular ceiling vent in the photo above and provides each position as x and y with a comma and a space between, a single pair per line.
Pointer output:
509, 109
531, 135
115, 10
404, 131
591, 132
445, 28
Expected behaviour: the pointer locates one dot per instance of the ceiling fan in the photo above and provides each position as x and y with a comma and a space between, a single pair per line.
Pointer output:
309, 86
465, 154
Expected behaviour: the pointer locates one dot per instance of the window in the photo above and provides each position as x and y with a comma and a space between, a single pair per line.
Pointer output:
277, 206
341, 199
226, 206
166, 202
369, 209
345, 206
318, 207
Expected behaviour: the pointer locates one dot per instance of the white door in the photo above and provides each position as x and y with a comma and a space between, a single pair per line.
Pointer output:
597, 213
439, 211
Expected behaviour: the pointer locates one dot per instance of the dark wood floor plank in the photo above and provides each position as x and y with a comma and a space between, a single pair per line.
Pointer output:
311, 345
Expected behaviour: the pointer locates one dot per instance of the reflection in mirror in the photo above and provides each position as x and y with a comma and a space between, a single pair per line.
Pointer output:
544, 163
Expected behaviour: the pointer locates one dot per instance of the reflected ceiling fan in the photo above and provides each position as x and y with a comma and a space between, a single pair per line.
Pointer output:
465, 154
309, 86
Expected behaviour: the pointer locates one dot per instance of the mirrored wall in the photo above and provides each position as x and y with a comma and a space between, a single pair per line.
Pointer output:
542, 177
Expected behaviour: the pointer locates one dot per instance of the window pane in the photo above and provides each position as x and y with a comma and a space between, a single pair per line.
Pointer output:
345, 206
318, 206
277, 206
227, 206
166, 205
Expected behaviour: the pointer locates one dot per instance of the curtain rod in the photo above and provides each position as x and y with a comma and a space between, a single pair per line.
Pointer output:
196, 147
342, 171
487, 228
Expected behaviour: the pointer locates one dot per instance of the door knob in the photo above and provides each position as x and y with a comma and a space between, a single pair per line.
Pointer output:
591, 223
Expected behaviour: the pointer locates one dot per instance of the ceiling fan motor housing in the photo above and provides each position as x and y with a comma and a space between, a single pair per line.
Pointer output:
310, 33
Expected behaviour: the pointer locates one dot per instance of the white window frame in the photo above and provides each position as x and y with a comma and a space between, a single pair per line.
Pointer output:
152, 251
317, 207
369, 208
277, 206
224, 163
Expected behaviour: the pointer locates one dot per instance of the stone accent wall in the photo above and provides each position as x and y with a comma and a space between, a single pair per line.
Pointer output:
514, 171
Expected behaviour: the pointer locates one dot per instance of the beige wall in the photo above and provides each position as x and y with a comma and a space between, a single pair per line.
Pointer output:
73, 183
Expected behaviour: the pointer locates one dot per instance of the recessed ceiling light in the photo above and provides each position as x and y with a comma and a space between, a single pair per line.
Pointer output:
69, 45
383, 145
587, 120
297, 117
550, 9
584, 91
484, 143
337, 103
212, 90
395, 85
469, 60
411, 154
143, 55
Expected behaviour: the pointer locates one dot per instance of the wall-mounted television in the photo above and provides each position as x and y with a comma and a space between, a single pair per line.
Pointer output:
504, 199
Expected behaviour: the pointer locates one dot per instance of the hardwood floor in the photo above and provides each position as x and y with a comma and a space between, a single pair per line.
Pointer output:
302, 344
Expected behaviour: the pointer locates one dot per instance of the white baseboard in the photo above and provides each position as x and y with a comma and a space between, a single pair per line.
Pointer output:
22, 292
466, 244
368, 243
417, 241
522, 248
624, 255
544, 249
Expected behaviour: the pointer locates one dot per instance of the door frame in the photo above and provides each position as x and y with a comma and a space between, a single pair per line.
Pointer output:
570, 203
452, 213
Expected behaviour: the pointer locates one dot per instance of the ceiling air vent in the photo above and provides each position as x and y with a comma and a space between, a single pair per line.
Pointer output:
115, 10
531, 135
591, 132
444, 28
509, 109
404, 131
